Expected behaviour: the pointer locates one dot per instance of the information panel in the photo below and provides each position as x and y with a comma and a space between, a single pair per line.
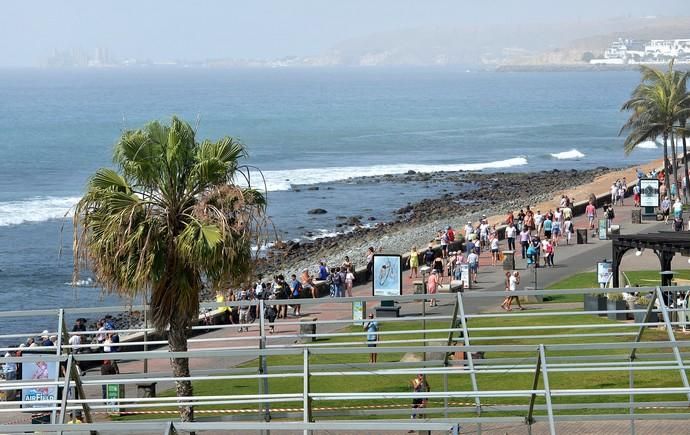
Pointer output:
649, 192
603, 227
604, 271
387, 275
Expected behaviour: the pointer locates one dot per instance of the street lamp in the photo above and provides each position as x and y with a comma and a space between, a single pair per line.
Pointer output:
424, 270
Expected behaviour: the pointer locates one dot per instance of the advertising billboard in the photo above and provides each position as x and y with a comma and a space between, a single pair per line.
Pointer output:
387, 275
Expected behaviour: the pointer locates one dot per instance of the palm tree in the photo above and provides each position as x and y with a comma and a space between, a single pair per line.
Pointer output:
686, 173
682, 78
656, 105
169, 220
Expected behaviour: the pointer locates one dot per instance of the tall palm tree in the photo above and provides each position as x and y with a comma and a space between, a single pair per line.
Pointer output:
682, 79
682, 123
168, 221
656, 105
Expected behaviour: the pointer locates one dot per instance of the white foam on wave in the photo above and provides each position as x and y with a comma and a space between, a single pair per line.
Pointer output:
648, 144
44, 208
566, 155
284, 179
37, 209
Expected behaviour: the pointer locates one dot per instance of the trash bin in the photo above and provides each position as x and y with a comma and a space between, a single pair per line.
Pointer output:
615, 229
508, 260
636, 216
146, 390
581, 236
307, 329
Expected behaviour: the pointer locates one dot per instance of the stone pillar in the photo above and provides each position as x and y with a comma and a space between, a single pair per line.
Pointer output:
636, 216
508, 260
307, 328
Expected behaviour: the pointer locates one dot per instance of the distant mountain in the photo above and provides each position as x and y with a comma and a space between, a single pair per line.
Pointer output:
573, 51
519, 44
528, 44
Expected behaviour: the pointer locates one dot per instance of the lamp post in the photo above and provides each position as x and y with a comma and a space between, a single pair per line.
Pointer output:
425, 270
669, 297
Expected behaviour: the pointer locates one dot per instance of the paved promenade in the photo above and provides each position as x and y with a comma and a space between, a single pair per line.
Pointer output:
569, 259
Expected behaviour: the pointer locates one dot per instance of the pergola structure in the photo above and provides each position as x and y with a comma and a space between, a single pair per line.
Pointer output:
665, 244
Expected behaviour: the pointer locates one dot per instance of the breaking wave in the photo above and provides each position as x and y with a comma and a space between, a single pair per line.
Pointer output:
39, 209
36, 209
285, 179
567, 155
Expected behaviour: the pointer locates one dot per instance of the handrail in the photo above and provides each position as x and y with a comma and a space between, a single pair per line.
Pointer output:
581, 346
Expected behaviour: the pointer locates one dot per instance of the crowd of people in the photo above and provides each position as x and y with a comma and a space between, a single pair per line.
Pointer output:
534, 234
339, 279
102, 337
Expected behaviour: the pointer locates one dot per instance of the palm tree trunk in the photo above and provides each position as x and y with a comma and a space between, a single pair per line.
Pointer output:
675, 162
666, 168
177, 341
685, 168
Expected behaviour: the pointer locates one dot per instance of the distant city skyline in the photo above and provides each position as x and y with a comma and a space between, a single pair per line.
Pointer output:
268, 29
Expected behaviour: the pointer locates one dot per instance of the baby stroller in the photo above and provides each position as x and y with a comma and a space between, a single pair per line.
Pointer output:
678, 224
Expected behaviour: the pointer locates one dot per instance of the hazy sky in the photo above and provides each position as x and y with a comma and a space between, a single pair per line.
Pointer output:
170, 29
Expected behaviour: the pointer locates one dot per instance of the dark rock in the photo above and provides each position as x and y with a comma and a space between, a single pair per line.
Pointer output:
411, 172
313, 188
354, 220
371, 218
317, 211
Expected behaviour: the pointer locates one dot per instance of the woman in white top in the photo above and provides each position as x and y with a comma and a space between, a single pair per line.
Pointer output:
494, 251
349, 279
513, 281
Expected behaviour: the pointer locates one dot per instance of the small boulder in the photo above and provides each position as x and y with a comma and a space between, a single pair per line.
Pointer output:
317, 211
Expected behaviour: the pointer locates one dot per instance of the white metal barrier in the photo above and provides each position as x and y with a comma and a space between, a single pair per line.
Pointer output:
543, 355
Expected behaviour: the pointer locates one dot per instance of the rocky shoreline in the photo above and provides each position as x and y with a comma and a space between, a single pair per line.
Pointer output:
416, 224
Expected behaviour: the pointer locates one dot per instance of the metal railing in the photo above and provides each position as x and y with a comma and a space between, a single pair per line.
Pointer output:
545, 352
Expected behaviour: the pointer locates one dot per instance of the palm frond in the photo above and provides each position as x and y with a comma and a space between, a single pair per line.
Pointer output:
170, 216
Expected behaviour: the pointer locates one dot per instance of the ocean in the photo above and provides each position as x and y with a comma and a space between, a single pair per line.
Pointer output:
301, 127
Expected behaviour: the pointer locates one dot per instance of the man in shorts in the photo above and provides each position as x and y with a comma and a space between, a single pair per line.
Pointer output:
538, 220
547, 225
473, 262
372, 328
419, 385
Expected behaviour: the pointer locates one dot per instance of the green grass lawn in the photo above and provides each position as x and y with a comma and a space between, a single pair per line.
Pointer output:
643, 278
505, 378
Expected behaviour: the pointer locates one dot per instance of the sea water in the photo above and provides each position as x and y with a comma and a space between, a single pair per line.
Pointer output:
301, 127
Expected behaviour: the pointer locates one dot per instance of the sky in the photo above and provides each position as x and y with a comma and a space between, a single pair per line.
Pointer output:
209, 29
